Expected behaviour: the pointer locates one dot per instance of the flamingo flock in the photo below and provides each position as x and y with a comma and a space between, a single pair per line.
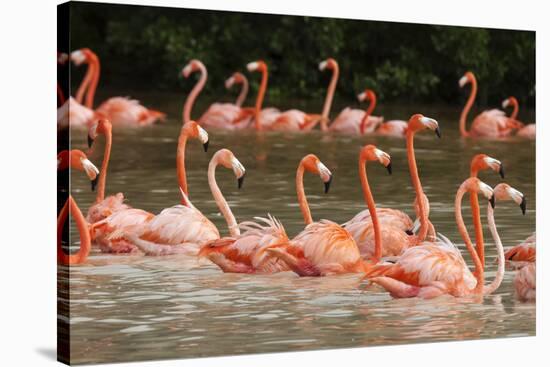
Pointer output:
405, 256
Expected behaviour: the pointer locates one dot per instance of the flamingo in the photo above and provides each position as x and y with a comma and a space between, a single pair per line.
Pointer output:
242, 252
396, 128
109, 232
219, 115
263, 118
358, 224
74, 159
525, 282
322, 248
434, 269
481, 162
119, 110
295, 120
366, 232
491, 123
525, 252
525, 131
357, 122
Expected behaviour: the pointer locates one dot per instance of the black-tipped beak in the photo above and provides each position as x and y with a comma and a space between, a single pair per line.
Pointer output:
388, 167
501, 171
523, 205
438, 132
409, 232
90, 141
240, 181
94, 182
327, 184
492, 201
205, 145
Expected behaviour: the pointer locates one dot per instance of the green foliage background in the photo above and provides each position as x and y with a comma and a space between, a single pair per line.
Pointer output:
146, 47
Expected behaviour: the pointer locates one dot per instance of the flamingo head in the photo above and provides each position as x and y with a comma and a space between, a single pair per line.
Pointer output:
484, 162
102, 126
226, 158
83, 55
259, 65
474, 184
76, 159
313, 165
468, 77
371, 153
503, 191
193, 130
510, 101
191, 67
419, 122
236, 78
329, 64
366, 95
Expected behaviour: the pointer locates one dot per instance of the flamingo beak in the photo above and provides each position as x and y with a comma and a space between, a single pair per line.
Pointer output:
492, 201
388, 167
523, 205
438, 132
94, 182
327, 184
240, 181
205, 146
501, 171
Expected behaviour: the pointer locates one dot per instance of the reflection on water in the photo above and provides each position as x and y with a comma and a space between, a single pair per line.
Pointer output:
136, 308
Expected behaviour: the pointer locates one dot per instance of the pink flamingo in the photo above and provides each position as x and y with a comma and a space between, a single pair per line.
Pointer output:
434, 269
396, 128
263, 118
481, 162
119, 110
324, 247
525, 131
525, 252
525, 282
492, 123
109, 232
361, 222
355, 121
219, 115
370, 231
183, 229
74, 159
295, 120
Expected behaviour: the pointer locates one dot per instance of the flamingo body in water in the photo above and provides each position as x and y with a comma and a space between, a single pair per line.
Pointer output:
74, 159
525, 282
524, 252
121, 111
361, 226
322, 248
528, 131
263, 118
491, 123
434, 269
357, 122
124, 230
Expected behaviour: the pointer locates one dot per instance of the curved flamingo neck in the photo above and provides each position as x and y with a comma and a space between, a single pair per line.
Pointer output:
260, 98
329, 97
369, 200
515, 106
220, 200
180, 164
302, 200
190, 101
94, 60
104, 166
368, 112
71, 208
466, 109
476, 217
500, 253
244, 92
464, 234
83, 87
417, 185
